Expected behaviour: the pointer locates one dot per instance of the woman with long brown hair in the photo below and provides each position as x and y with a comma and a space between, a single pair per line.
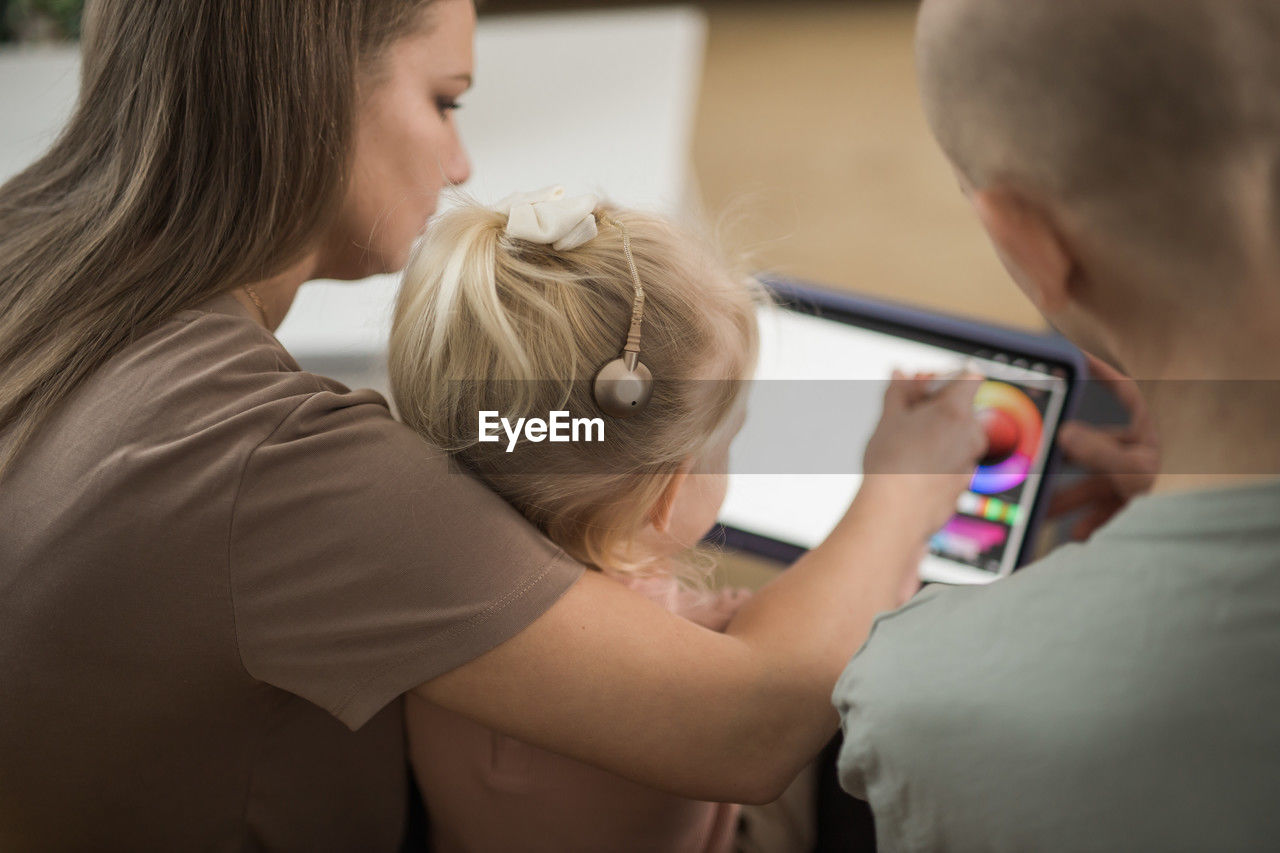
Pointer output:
220, 572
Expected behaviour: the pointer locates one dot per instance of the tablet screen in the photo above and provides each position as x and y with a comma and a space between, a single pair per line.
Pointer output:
815, 402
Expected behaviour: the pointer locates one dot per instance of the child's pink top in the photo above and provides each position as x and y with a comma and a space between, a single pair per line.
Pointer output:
488, 793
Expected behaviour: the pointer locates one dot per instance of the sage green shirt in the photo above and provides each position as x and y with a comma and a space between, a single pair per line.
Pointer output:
1122, 694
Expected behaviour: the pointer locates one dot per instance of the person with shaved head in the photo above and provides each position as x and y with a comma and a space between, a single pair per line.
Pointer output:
1124, 692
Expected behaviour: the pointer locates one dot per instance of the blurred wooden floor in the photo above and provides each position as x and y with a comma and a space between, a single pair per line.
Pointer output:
810, 129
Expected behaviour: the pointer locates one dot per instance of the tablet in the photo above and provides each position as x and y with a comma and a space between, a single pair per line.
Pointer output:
825, 362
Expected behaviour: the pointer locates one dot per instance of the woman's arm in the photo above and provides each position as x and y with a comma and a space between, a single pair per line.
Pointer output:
610, 678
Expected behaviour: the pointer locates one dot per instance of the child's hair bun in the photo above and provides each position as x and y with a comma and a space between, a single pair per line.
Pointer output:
550, 217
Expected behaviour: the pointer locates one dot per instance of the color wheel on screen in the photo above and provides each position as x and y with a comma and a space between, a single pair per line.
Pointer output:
1013, 426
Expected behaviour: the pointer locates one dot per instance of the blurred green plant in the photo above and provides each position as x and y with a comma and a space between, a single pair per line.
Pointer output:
43, 20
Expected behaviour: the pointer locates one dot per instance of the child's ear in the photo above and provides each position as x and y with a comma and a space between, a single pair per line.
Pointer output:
662, 510
1029, 245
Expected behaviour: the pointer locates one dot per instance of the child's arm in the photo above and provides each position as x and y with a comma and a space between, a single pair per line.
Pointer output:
612, 679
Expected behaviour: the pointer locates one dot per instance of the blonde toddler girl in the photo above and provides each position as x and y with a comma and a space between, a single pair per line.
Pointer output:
513, 310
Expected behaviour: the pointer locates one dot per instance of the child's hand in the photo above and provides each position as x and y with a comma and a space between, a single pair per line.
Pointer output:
925, 448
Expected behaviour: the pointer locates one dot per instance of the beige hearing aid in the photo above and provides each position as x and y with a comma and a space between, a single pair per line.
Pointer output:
623, 386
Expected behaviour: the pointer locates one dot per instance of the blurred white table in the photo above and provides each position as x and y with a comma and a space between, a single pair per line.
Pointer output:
597, 101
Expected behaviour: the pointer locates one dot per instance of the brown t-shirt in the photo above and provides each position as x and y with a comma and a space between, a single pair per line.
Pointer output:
217, 574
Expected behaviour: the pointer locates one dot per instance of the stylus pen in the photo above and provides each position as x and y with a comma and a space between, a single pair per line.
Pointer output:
936, 385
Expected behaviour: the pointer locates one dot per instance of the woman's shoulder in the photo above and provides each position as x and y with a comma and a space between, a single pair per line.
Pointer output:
214, 364
210, 387
220, 338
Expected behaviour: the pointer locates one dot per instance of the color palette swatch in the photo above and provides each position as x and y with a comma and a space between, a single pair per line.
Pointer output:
992, 509
968, 538
1013, 426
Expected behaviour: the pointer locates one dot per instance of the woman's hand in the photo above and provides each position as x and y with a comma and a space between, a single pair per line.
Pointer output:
924, 451
1122, 461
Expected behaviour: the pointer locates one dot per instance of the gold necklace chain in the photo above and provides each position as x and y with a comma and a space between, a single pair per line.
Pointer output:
257, 300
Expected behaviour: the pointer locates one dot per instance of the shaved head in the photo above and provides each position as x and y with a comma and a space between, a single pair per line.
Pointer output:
1144, 117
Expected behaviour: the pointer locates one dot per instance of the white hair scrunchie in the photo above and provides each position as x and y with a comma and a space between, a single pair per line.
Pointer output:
547, 216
